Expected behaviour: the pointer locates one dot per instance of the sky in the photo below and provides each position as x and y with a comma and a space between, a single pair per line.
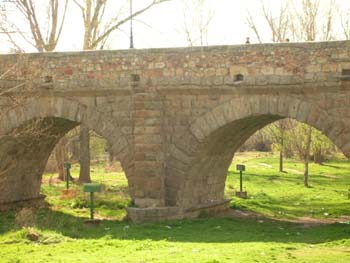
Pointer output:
162, 26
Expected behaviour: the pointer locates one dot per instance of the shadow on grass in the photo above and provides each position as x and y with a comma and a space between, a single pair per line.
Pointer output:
282, 178
304, 208
213, 230
331, 166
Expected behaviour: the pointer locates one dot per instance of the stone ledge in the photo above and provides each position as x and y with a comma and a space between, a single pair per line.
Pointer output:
211, 208
187, 50
157, 214
34, 202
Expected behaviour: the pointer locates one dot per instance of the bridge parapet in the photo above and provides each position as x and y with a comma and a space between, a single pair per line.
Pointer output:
250, 66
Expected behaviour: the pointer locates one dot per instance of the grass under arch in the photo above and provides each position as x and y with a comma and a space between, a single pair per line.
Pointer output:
63, 236
283, 194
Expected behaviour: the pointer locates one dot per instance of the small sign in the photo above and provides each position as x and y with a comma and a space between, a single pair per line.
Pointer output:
240, 167
92, 188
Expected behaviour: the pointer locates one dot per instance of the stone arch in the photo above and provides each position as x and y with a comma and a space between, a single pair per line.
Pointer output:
23, 164
198, 162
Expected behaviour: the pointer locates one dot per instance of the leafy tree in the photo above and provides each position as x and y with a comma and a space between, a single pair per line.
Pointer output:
321, 146
278, 134
302, 139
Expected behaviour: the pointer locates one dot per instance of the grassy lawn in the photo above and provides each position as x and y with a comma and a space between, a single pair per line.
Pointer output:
111, 203
62, 235
283, 194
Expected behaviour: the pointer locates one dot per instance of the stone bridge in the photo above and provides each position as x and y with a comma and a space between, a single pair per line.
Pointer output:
174, 117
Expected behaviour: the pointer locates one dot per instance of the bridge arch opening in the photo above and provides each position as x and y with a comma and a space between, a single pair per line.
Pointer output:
29, 135
281, 189
218, 134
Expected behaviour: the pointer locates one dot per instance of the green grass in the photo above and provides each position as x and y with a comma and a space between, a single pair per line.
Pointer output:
111, 203
283, 194
63, 236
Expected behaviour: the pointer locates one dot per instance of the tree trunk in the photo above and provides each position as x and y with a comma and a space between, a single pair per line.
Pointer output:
84, 176
281, 161
281, 154
318, 156
75, 150
307, 158
306, 173
59, 156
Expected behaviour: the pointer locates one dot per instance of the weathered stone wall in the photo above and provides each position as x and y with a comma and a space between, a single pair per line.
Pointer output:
175, 117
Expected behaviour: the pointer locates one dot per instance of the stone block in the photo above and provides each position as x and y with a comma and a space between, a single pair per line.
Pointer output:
283, 106
228, 110
303, 112
202, 124
293, 108
219, 116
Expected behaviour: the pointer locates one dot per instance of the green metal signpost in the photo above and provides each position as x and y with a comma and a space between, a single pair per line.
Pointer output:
241, 169
92, 188
67, 166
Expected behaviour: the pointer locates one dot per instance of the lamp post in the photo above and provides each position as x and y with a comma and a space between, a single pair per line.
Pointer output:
131, 27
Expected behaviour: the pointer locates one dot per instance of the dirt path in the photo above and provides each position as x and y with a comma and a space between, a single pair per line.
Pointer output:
305, 221
293, 171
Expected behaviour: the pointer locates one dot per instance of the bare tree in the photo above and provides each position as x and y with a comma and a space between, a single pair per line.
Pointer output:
345, 23
315, 22
308, 21
196, 22
97, 29
328, 25
44, 35
280, 24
